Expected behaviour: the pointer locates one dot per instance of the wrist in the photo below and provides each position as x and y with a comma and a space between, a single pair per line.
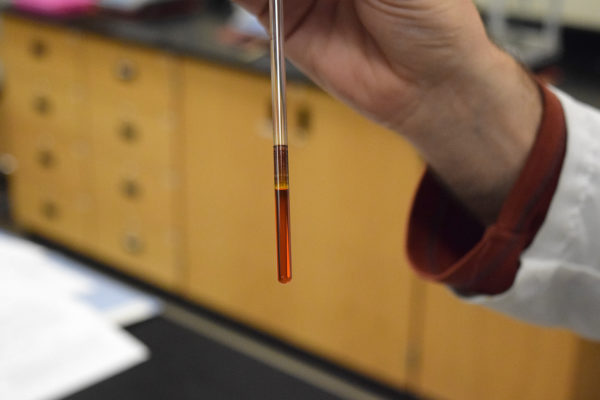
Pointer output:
476, 129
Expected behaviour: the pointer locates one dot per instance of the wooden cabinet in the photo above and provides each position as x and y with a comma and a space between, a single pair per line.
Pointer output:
349, 299
59, 213
135, 184
92, 126
163, 167
40, 50
136, 221
139, 247
44, 107
143, 140
138, 80
468, 352
45, 158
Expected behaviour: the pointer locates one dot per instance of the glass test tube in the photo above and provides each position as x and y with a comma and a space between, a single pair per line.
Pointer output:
280, 148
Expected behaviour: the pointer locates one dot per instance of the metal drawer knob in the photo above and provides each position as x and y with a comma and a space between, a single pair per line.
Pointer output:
49, 210
38, 49
304, 120
46, 159
126, 71
131, 189
133, 244
41, 105
128, 132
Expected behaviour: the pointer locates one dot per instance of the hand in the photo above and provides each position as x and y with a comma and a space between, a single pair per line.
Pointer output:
381, 57
426, 69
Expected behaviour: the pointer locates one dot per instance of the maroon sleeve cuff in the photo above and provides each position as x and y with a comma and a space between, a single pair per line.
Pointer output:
446, 244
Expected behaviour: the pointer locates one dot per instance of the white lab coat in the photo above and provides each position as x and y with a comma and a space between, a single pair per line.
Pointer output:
558, 283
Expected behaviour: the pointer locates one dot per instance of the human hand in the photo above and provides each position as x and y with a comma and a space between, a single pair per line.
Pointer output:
381, 57
426, 69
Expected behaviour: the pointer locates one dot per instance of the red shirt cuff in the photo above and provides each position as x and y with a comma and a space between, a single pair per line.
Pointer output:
446, 244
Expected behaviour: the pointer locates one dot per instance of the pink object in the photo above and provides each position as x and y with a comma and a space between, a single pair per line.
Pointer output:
56, 7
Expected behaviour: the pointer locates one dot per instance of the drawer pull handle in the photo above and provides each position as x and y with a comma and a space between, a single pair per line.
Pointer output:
49, 210
131, 189
128, 132
304, 120
133, 244
126, 71
38, 49
46, 159
41, 105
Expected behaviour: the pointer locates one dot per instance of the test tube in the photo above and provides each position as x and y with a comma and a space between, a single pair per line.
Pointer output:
280, 143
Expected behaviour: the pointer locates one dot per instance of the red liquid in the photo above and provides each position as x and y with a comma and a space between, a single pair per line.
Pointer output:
282, 203
284, 256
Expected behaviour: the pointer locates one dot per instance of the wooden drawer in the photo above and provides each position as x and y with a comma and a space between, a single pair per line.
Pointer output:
146, 250
46, 159
45, 107
125, 189
146, 141
41, 50
59, 214
137, 80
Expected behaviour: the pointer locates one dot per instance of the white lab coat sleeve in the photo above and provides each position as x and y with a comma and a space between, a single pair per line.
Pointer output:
558, 283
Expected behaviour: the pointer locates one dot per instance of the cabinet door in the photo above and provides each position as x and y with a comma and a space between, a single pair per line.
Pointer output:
135, 219
137, 246
145, 140
44, 107
45, 159
132, 130
469, 352
59, 213
351, 185
135, 79
38, 50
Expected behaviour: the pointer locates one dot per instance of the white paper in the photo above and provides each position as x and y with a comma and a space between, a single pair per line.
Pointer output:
51, 346
40, 268
24, 260
56, 332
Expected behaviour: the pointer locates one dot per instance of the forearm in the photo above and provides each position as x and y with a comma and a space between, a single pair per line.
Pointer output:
480, 128
446, 244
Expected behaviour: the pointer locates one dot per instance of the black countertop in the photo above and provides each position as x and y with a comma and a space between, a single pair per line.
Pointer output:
195, 35
188, 366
